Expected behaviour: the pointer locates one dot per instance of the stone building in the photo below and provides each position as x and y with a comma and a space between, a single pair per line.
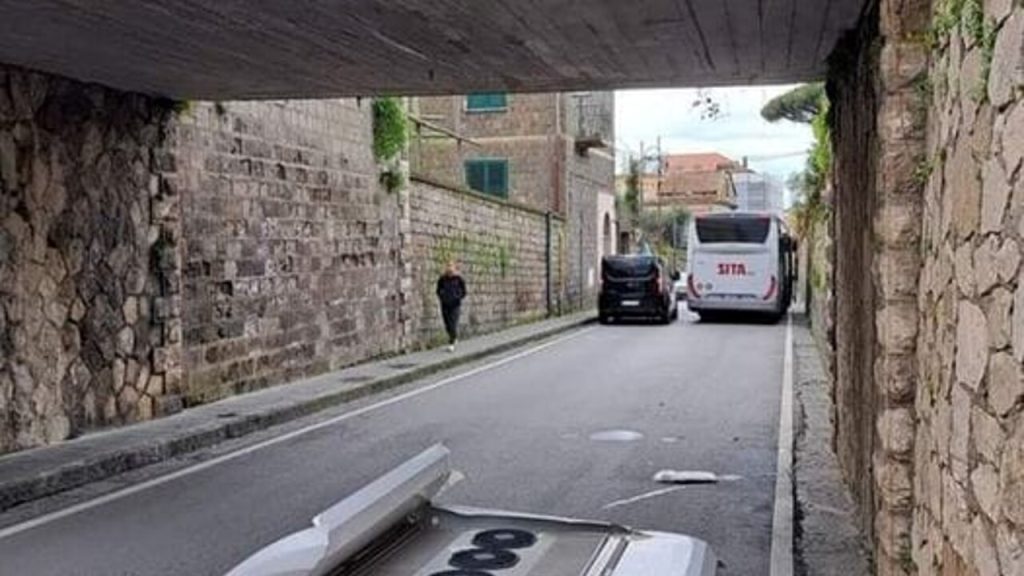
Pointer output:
549, 152
699, 183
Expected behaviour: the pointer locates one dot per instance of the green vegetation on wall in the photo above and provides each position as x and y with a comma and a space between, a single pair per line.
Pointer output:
389, 128
390, 136
492, 255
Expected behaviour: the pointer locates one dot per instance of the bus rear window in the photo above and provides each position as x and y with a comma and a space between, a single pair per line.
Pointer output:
737, 230
622, 268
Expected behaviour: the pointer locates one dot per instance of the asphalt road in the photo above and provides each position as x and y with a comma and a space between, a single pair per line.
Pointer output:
703, 397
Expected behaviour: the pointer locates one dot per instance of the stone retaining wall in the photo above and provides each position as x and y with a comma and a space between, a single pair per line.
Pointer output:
854, 109
291, 255
155, 255
502, 251
87, 259
929, 385
969, 463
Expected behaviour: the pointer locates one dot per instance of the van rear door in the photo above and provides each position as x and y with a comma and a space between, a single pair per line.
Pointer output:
629, 279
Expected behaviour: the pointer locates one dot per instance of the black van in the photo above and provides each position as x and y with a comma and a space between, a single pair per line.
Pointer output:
636, 287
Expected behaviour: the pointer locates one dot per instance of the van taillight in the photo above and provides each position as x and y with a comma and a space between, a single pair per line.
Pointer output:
657, 282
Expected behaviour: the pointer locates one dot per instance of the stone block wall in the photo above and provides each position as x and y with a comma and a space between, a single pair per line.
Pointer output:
969, 450
502, 252
88, 259
292, 261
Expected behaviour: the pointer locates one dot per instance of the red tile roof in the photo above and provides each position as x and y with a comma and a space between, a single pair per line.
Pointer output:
705, 162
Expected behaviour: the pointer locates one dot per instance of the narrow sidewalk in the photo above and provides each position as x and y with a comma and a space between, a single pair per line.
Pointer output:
41, 472
828, 541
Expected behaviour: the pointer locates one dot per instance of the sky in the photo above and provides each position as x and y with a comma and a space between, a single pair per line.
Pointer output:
644, 115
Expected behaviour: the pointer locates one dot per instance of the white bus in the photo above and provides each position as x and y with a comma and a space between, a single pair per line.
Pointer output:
740, 262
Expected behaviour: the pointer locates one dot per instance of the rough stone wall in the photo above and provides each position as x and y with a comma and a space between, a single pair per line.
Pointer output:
969, 464
852, 91
878, 123
292, 254
88, 259
817, 283
501, 250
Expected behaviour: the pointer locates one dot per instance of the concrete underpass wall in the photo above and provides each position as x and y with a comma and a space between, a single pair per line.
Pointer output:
88, 259
969, 464
502, 251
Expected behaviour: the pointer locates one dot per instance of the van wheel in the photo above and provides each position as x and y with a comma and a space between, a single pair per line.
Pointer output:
665, 318
603, 319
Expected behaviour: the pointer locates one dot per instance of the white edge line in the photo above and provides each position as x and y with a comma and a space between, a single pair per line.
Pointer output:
136, 488
782, 518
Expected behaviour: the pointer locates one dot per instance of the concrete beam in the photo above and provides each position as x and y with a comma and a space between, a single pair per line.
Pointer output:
241, 49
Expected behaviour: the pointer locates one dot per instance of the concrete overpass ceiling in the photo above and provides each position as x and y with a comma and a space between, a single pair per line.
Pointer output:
236, 49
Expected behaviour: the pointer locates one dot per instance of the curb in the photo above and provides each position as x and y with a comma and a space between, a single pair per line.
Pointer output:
103, 466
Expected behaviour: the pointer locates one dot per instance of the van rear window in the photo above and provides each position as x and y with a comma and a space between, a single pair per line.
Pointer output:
616, 268
737, 230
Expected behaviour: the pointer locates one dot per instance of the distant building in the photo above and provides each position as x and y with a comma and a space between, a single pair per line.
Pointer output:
700, 183
550, 152
701, 162
758, 192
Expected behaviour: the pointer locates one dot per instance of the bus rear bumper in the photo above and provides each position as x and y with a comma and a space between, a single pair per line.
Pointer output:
732, 305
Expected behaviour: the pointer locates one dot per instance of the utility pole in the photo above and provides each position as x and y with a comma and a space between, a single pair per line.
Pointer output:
660, 177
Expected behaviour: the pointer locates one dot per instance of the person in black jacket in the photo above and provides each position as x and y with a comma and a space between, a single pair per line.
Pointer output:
451, 289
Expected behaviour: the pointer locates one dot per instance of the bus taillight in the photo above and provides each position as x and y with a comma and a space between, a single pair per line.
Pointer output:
772, 287
691, 286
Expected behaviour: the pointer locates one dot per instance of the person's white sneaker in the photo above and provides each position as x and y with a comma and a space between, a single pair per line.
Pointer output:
451, 347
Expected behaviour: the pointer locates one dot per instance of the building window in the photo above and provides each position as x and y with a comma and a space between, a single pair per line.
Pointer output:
487, 102
489, 176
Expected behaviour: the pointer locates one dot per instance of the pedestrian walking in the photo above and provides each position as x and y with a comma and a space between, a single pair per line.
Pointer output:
451, 289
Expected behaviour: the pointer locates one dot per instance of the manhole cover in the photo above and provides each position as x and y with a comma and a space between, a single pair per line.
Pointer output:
356, 379
403, 365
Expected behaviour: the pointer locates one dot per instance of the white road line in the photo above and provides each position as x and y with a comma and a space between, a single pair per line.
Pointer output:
641, 497
782, 519
135, 489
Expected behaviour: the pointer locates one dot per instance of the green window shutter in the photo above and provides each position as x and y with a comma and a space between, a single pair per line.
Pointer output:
485, 101
476, 175
497, 178
489, 176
